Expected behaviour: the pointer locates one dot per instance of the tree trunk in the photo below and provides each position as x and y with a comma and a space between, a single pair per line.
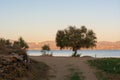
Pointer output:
75, 52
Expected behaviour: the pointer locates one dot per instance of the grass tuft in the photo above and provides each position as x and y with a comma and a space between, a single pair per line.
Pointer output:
75, 76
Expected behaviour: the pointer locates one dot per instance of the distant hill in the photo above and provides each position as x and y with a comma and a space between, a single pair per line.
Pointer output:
108, 45
37, 46
102, 45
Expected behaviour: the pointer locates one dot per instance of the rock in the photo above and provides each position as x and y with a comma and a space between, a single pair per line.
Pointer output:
12, 67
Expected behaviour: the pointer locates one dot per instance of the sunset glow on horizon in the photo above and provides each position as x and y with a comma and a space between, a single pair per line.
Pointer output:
39, 20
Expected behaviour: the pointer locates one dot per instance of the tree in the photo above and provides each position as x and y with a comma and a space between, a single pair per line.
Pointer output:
16, 45
45, 48
8, 43
22, 43
76, 38
2, 43
2, 46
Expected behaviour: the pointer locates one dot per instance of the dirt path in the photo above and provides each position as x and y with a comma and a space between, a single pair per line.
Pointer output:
60, 67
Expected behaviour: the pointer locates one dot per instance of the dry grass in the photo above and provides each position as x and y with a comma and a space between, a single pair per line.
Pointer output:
38, 71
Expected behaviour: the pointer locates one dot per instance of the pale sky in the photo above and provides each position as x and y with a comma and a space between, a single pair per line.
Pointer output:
39, 20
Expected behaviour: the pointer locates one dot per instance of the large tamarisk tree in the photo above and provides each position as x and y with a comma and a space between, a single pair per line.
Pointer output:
76, 38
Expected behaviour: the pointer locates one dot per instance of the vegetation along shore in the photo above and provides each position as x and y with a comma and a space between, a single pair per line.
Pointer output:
15, 64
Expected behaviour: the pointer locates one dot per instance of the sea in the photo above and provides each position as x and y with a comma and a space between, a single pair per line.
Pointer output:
68, 53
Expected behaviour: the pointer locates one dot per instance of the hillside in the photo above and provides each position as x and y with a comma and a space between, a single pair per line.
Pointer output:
102, 45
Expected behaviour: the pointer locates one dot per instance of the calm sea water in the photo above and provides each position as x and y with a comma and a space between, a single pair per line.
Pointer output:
93, 53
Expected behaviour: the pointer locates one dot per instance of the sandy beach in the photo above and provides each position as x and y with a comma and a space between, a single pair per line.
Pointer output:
60, 67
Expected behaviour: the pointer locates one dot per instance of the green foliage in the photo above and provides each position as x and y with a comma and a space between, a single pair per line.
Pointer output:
14, 64
7, 42
75, 38
22, 43
108, 65
17, 46
2, 43
75, 76
109, 68
77, 55
46, 47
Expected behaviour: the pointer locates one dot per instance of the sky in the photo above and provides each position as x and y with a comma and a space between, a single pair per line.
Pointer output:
39, 20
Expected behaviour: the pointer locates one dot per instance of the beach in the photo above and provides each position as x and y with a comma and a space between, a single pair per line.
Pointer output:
60, 67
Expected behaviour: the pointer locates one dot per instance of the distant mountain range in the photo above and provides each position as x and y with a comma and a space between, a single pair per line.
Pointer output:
102, 45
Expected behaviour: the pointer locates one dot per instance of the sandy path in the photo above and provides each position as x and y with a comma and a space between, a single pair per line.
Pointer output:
60, 67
